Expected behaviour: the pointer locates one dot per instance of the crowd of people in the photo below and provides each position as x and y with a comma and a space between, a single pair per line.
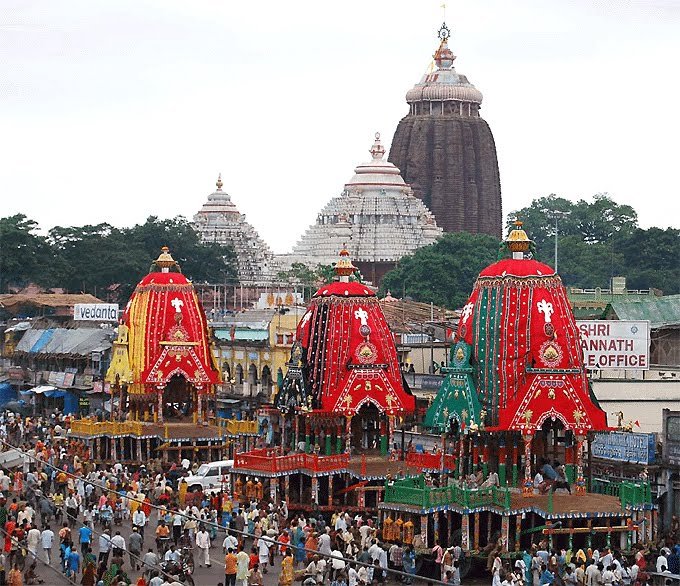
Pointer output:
114, 526
540, 566
61, 504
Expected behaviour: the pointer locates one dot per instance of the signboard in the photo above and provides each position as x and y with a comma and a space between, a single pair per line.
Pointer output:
615, 344
95, 312
625, 446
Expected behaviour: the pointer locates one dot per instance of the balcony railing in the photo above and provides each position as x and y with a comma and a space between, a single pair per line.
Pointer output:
426, 461
237, 427
272, 460
414, 491
91, 427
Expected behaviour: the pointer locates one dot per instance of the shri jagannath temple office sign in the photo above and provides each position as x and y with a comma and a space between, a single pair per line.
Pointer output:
615, 344
623, 446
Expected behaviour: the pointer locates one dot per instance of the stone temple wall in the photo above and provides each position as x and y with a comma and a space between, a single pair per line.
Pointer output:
450, 162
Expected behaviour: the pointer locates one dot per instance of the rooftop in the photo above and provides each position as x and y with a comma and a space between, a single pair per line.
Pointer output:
661, 312
12, 301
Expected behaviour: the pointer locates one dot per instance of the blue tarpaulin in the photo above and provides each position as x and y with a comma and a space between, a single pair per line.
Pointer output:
7, 393
42, 340
70, 403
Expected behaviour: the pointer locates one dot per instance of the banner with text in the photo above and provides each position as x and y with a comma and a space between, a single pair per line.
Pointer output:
625, 446
95, 312
615, 344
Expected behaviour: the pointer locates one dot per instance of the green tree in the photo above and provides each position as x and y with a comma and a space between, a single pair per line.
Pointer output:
300, 274
25, 255
587, 265
594, 221
109, 261
603, 219
444, 272
652, 259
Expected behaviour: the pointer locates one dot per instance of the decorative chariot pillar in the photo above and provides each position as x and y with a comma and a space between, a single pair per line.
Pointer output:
328, 448
159, 405
475, 454
528, 485
502, 457
569, 456
580, 480
485, 456
465, 532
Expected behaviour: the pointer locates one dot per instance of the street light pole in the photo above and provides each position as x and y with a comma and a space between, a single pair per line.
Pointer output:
556, 215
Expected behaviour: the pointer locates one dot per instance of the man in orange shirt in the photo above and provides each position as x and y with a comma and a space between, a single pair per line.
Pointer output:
230, 562
162, 536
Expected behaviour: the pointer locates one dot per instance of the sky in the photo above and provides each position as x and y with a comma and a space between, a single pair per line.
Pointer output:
111, 111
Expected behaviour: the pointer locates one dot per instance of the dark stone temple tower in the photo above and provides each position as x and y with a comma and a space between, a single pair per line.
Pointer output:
446, 151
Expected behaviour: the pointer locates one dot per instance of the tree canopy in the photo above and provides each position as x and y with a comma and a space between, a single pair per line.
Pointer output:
597, 240
102, 259
310, 278
442, 273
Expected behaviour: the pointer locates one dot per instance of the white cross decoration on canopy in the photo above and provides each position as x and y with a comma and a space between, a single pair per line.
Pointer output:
467, 311
362, 315
546, 308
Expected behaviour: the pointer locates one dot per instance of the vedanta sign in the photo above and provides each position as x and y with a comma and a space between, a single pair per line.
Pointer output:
95, 312
615, 344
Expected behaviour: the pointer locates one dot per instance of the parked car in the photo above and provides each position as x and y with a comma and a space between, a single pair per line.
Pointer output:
211, 476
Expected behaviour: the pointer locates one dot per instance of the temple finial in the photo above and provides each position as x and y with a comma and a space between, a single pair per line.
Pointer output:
518, 242
344, 267
219, 182
377, 150
443, 56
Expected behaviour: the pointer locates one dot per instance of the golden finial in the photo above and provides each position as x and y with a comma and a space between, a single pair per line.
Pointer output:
517, 240
165, 260
219, 182
344, 267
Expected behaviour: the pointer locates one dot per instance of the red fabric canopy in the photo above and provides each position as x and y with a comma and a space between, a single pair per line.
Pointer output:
526, 349
169, 333
350, 354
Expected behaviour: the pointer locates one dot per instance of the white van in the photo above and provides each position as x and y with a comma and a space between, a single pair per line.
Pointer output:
211, 477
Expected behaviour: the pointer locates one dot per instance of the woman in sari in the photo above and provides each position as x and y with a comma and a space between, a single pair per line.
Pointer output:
312, 544
299, 542
287, 574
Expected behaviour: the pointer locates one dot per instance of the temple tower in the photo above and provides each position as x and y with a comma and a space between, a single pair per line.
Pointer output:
446, 151
219, 221
376, 217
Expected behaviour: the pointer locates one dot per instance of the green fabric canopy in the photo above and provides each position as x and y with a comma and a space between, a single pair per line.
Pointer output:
457, 399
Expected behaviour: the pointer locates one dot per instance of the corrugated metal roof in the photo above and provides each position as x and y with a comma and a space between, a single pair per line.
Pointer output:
28, 340
79, 341
661, 312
